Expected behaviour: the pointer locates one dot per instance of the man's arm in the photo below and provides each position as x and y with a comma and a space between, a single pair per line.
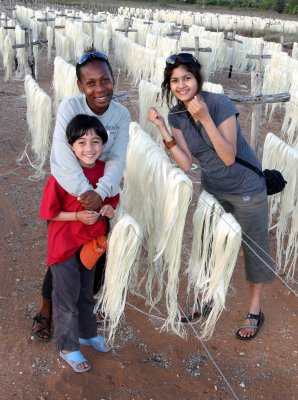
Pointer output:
108, 185
64, 164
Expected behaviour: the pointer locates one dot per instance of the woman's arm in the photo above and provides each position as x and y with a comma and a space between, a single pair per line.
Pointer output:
180, 152
223, 137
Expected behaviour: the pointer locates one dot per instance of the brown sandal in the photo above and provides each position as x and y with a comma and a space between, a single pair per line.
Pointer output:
41, 328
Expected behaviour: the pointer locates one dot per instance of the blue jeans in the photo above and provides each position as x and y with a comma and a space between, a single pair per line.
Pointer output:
73, 303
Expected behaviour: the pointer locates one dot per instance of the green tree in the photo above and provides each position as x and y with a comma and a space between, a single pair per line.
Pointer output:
280, 6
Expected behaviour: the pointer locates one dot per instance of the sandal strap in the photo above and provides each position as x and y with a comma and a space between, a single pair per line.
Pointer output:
248, 327
254, 316
42, 320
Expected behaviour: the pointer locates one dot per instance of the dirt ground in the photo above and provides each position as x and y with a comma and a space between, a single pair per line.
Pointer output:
145, 363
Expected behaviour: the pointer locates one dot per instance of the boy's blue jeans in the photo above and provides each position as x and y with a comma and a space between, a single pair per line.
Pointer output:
73, 303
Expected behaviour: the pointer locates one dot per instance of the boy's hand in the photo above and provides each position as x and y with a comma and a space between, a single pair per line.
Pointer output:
107, 211
87, 217
90, 200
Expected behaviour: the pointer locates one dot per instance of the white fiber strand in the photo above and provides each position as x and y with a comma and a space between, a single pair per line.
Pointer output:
123, 250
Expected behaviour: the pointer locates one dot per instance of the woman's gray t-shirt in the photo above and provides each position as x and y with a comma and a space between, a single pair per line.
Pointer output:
216, 176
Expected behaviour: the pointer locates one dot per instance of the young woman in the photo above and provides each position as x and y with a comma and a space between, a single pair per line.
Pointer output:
95, 81
205, 125
70, 227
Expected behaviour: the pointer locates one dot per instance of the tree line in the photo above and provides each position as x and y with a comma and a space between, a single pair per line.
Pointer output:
280, 6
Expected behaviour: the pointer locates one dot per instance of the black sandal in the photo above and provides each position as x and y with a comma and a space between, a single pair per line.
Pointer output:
258, 317
41, 325
189, 317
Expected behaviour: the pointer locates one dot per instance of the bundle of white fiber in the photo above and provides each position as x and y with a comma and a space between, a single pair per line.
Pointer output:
213, 87
207, 60
160, 209
87, 24
283, 206
63, 46
161, 28
138, 61
216, 243
102, 39
142, 29
295, 51
158, 73
8, 58
85, 42
151, 40
50, 36
39, 119
2, 38
75, 35
20, 52
150, 96
64, 81
123, 253
166, 46
225, 248
290, 123
215, 40
277, 78
248, 46
24, 15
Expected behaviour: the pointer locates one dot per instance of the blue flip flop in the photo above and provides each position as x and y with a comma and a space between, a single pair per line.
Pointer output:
97, 343
74, 359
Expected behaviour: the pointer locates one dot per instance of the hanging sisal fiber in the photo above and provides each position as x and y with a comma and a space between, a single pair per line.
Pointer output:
160, 208
39, 119
8, 59
20, 52
150, 96
123, 253
50, 37
64, 81
295, 51
283, 206
290, 123
215, 247
102, 39
138, 61
2, 38
63, 46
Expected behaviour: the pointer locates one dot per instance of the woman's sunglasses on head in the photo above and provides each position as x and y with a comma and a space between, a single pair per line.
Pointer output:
92, 54
184, 58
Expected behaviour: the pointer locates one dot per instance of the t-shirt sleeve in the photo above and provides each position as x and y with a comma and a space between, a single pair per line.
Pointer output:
222, 108
50, 205
113, 201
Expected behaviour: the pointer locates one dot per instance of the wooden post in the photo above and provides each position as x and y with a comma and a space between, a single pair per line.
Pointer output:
126, 29
31, 61
233, 54
197, 49
256, 90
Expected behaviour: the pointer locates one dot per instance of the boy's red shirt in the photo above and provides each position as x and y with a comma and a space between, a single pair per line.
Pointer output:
65, 238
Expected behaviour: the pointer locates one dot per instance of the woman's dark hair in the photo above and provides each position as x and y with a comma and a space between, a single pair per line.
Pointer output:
81, 124
89, 57
194, 67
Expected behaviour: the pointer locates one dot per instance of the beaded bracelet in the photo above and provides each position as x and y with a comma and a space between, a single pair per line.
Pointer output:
170, 144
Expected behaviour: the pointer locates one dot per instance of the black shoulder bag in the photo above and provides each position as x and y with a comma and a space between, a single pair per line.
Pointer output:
275, 182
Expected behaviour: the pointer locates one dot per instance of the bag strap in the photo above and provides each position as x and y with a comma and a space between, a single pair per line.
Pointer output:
237, 159
248, 165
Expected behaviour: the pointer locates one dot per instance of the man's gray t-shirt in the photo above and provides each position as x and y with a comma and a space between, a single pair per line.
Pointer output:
216, 176
64, 164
